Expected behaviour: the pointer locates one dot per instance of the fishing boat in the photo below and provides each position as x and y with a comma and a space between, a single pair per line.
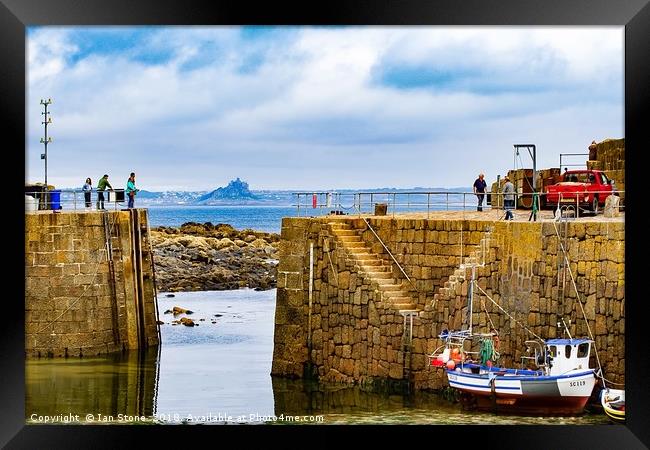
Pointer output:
613, 402
554, 377
560, 383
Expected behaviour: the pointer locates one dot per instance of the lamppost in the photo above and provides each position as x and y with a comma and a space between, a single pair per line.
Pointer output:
46, 140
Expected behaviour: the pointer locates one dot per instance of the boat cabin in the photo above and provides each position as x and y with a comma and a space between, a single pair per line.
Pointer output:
565, 355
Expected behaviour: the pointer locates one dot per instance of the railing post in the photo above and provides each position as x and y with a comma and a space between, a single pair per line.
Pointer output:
447, 207
428, 203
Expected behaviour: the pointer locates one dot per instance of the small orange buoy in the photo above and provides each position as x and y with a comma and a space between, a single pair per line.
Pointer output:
451, 364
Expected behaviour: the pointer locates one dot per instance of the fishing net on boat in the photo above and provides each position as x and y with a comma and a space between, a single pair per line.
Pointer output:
487, 352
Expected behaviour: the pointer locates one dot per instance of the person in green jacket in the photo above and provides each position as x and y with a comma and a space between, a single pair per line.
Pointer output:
101, 187
131, 190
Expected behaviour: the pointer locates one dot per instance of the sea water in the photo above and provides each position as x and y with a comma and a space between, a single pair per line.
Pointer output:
219, 372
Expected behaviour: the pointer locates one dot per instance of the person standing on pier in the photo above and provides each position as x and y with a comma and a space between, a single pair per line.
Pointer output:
479, 190
101, 187
88, 187
508, 198
131, 190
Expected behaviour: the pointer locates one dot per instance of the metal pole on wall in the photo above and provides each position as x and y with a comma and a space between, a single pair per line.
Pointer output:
311, 290
46, 140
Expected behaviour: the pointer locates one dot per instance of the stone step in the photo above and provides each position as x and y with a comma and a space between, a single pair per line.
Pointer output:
380, 275
375, 262
401, 299
339, 226
390, 287
347, 237
362, 254
375, 268
345, 232
388, 282
355, 244
404, 306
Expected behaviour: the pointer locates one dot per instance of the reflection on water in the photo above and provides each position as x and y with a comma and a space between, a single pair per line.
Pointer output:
218, 372
351, 405
112, 385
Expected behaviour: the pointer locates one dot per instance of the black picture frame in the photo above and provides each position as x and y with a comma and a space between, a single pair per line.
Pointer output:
15, 15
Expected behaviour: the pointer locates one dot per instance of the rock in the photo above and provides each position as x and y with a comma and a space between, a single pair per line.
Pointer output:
218, 315
187, 322
223, 243
160, 322
201, 320
213, 257
179, 310
170, 295
258, 243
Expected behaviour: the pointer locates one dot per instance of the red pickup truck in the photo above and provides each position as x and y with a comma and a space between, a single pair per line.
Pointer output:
588, 188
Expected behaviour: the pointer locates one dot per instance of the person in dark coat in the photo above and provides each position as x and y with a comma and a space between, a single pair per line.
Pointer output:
479, 190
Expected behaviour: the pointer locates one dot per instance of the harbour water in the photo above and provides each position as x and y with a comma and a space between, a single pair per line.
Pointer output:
218, 372
259, 218
269, 218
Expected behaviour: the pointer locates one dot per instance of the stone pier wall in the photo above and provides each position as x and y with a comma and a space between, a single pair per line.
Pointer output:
354, 335
89, 285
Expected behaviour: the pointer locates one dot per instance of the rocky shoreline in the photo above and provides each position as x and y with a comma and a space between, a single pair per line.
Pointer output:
202, 257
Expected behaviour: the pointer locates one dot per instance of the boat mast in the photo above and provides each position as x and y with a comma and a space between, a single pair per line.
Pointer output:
471, 297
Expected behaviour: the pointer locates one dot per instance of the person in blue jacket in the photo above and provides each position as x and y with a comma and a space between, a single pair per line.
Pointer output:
131, 190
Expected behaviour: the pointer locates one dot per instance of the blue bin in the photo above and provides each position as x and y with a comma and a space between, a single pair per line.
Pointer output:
55, 200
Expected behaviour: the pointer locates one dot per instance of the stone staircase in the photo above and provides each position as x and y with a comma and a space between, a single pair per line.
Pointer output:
463, 272
394, 290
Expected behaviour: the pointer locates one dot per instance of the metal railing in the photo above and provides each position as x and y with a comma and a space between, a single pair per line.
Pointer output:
72, 199
323, 203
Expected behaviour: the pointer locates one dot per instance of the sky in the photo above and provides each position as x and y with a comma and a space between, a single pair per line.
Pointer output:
316, 108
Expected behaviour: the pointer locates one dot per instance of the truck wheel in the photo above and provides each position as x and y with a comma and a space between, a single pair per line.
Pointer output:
594, 205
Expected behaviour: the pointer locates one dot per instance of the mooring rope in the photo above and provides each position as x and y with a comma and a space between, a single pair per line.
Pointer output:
506, 313
575, 287
488, 315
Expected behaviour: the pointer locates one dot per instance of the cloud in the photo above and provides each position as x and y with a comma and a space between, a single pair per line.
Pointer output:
307, 108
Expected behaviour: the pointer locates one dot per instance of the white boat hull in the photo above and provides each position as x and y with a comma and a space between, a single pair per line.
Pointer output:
527, 392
